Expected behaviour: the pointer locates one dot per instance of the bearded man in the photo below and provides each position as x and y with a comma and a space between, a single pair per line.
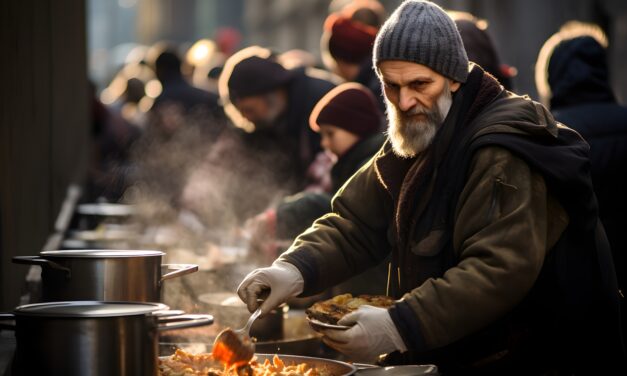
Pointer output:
499, 262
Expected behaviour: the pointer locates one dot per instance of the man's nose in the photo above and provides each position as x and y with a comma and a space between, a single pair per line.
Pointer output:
406, 99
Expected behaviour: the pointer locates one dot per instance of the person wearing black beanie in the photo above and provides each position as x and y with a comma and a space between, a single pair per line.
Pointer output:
272, 105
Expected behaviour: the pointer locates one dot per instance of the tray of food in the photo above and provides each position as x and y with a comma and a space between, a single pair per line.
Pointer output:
327, 313
182, 363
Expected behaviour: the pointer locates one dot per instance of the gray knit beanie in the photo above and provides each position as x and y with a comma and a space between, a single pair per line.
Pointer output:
421, 32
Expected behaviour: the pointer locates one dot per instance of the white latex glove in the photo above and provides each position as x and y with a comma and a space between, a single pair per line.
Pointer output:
282, 279
372, 333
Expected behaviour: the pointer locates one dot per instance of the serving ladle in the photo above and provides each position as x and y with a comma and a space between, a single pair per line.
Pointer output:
235, 347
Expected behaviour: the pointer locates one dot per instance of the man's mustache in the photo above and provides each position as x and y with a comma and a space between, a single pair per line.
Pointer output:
416, 110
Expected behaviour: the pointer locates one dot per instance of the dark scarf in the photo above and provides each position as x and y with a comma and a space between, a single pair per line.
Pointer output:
418, 205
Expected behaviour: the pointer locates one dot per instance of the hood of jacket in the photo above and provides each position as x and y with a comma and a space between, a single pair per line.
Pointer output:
578, 73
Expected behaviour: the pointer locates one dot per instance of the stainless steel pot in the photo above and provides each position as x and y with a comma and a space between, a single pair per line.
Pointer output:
93, 338
107, 275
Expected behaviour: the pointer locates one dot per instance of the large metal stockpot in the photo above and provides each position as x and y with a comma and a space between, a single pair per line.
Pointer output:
107, 275
89, 338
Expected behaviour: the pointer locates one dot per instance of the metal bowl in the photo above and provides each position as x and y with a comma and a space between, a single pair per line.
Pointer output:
335, 367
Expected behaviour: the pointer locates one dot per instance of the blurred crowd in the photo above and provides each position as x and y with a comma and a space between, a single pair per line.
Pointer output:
259, 140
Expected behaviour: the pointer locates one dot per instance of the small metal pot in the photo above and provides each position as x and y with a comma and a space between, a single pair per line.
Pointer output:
93, 338
106, 275
231, 312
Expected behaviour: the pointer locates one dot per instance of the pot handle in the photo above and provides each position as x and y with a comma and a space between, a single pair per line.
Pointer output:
6, 317
167, 313
183, 321
36, 260
178, 270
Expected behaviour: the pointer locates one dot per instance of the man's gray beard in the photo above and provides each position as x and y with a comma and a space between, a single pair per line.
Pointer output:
408, 136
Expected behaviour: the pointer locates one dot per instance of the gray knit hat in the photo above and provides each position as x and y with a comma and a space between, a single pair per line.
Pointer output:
421, 32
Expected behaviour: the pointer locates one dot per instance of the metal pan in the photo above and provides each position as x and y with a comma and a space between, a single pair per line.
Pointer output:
335, 367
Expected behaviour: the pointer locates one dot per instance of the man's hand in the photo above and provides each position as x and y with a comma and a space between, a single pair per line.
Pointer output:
372, 333
283, 280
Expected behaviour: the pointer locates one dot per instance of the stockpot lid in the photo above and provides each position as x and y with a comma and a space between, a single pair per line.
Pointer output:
88, 309
102, 253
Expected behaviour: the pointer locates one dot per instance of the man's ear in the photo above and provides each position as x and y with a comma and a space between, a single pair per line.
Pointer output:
454, 85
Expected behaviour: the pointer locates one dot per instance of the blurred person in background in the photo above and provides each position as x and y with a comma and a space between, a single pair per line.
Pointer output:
481, 48
273, 105
573, 79
110, 166
346, 47
179, 100
369, 12
202, 57
265, 153
484, 202
126, 93
182, 125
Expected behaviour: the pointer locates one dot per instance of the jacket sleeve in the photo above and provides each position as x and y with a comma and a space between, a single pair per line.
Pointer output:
297, 212
346, 241
505, 223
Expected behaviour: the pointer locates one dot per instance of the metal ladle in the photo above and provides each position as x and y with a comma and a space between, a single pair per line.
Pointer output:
235, 347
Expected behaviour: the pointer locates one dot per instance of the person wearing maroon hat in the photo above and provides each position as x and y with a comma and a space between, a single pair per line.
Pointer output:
351, 128
346, 46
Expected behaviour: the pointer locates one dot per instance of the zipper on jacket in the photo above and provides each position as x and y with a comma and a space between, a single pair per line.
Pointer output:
496, 195
496, 190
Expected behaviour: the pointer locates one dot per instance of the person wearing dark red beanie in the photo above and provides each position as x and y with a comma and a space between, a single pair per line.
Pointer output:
345, 116
346, 47
351, 128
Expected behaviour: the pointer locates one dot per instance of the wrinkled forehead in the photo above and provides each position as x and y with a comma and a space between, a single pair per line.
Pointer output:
402, 72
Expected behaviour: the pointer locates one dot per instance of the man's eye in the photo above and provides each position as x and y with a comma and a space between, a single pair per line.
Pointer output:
418, 85
391, 86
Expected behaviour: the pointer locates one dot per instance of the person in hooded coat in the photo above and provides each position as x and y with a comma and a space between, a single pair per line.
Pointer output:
573, 76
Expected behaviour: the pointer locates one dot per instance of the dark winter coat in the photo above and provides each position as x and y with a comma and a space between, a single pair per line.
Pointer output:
499, 258
583, 100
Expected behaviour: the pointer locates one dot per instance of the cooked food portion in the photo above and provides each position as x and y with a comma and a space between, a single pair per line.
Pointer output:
332, 310
182, 363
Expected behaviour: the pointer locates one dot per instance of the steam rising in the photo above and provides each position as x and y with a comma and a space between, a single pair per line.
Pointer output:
205, 176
